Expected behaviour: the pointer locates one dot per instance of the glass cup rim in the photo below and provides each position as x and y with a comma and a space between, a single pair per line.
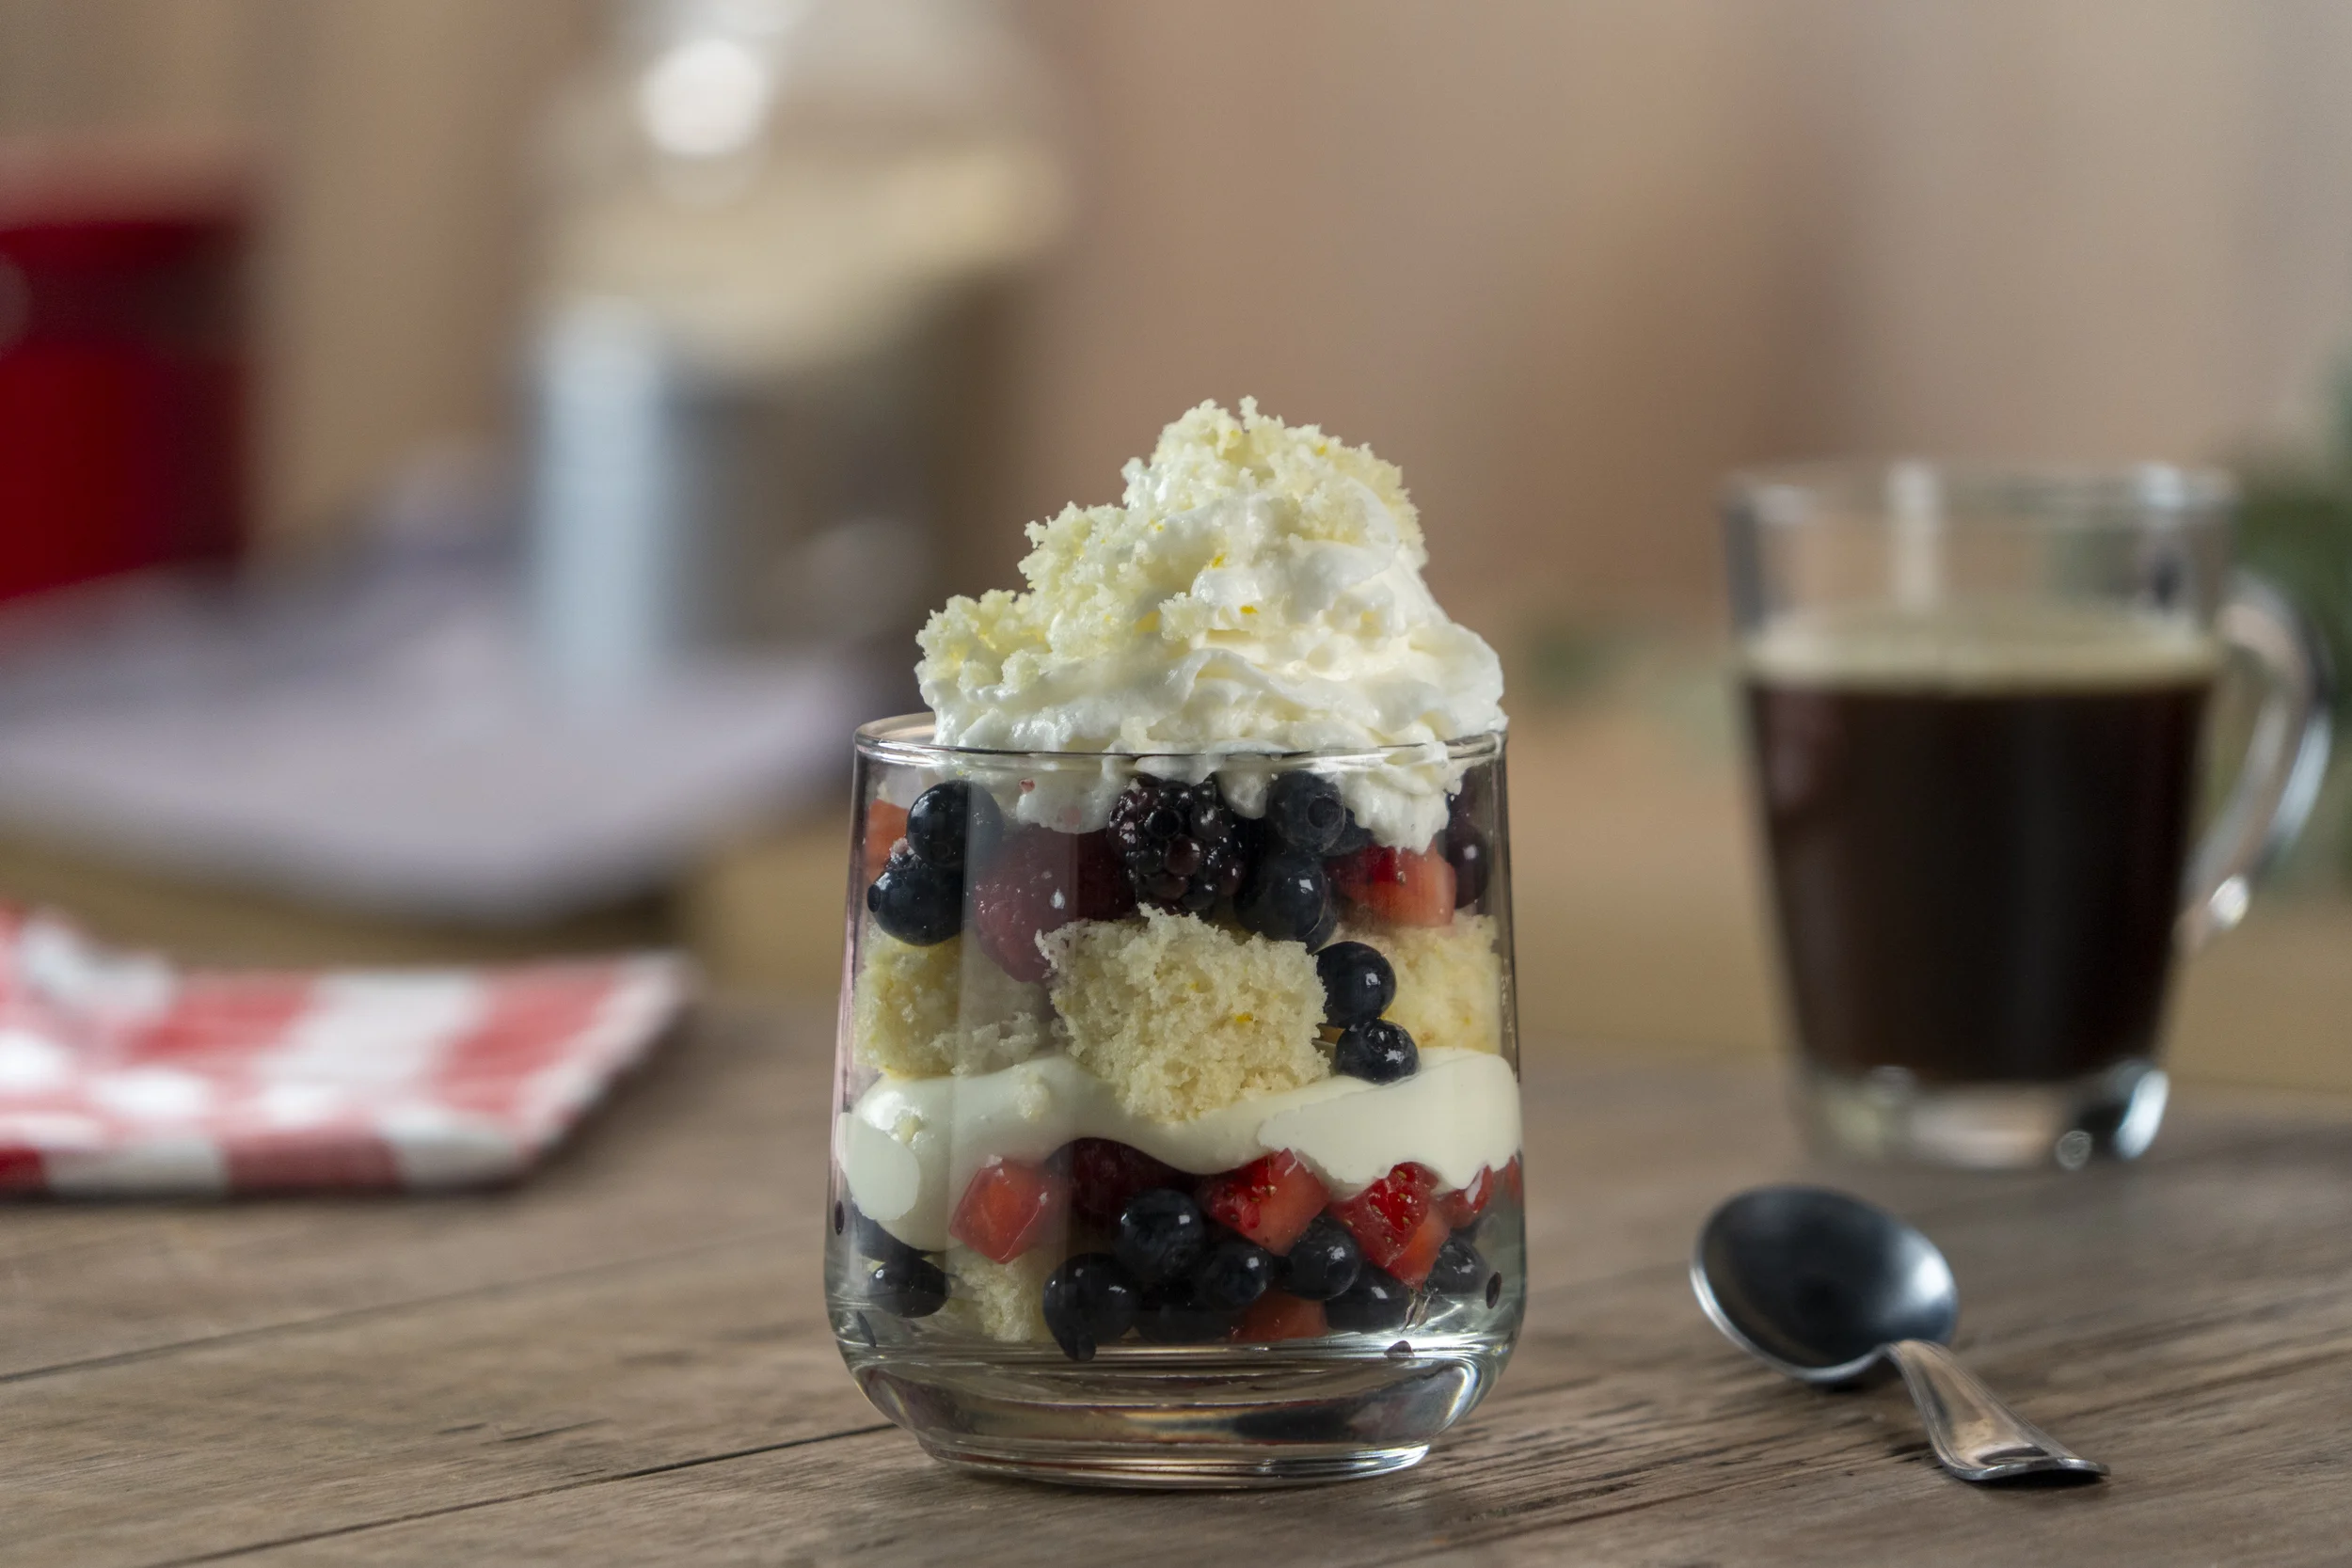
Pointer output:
904, 739
2039, 495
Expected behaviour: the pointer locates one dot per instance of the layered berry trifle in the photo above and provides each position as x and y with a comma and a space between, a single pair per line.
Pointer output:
1177, 1035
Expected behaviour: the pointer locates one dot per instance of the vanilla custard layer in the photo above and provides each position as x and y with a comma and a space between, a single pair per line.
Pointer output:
909, 1146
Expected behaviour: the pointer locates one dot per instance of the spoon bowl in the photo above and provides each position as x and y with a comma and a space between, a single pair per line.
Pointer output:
1822, 1287
1813, 1282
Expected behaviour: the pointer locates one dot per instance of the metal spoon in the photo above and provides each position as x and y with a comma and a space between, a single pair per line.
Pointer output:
1821, 1286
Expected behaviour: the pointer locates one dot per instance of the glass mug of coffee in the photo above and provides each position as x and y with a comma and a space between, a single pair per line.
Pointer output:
1976, 702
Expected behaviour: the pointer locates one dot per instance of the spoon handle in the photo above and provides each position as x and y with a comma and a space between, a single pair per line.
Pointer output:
1976, 1435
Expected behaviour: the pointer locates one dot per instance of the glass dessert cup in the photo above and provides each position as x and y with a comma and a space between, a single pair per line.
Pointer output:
1176, 1136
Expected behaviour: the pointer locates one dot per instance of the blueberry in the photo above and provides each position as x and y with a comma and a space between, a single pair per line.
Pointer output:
1376, 1303
1172, 1314
1357, 983
1459, 1270
915, 901
1323, 1262
1466, 847
1089, 1300
1472, 860
1235, 1273
1287, 899
1305, 813
953, 824
1376, 1051
1161, 1235
1354, 836
909, 1285
873, 1241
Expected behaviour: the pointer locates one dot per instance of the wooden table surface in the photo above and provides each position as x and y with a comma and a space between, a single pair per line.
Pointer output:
627, 1360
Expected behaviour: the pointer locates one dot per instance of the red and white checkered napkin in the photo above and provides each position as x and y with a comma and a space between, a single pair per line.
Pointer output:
122, 1077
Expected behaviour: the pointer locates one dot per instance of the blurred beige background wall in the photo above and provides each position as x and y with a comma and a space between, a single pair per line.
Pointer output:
1565, 260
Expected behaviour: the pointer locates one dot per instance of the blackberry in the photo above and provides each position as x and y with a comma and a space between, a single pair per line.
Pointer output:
1178, 843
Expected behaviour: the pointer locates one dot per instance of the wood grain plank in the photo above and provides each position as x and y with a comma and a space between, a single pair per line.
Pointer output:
451, 1403
629, 1362
693, 1153
1611, 1453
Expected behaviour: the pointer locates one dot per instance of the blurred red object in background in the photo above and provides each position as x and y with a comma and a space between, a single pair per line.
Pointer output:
123, 361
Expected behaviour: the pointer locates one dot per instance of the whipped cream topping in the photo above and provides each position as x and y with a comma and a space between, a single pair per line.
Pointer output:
1258, 591
909, 1146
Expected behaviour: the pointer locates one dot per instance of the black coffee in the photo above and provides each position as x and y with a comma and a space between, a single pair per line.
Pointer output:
1977, 885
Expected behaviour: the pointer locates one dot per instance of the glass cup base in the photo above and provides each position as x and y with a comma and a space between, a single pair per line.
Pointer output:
1164, 1471
1887, 1113
1178, 1418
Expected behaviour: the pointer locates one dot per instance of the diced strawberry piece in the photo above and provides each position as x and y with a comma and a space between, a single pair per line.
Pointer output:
1279, 1315
1039, 881
1270, 1200
886, 825
1383, 1216
1009, 1207
1105, 1174
1412, 1264
1463, 1205
1409, 887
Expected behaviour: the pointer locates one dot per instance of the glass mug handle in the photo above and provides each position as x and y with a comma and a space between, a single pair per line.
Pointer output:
2284, 760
